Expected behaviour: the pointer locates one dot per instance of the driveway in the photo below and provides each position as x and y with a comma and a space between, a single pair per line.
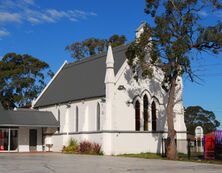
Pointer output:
64, 163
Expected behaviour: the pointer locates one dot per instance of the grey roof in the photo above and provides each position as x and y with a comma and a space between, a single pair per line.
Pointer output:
31, 118
82, 79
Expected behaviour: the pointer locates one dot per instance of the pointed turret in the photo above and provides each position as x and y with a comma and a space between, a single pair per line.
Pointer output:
140, 29
109, 66
110, 84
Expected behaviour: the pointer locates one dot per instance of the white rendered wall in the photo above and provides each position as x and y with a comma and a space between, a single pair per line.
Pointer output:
87, 121
123, 117
126, 142
23, 139
124, 114
39, 139
138, 142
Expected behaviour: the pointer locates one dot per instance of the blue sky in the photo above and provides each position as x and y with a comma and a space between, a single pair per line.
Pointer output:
43, 28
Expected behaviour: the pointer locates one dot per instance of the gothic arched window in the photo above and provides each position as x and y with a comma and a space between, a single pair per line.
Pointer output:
137, 115
145, 112
154, 116
98, 117
77, 119
59, 120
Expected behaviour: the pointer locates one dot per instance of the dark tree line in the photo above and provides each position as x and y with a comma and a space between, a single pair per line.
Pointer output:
197, 116
22, 78
93, 46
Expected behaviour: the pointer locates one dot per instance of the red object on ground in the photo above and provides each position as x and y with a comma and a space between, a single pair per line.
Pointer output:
209, 146
1, 147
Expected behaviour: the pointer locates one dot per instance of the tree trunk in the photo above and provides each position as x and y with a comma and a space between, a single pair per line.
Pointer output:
171, 139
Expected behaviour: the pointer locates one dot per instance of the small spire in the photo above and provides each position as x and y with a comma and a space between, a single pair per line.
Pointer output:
109, 78
109, 58
140, 29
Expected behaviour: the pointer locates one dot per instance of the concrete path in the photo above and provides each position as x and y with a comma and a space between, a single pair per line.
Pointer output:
63, 163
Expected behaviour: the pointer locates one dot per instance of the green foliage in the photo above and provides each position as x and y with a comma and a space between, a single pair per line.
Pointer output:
72, 147
171, 43
84, 147
21, 79
181, 157
138, 58
93, 46
197, 116
143, 155
175, 38
87, 147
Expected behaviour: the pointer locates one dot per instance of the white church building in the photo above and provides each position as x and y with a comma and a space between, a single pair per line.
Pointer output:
98, 100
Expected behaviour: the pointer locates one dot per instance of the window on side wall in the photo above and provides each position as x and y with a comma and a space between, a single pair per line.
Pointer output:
98, 117
137, 116
77, 119
154, 116
59, 121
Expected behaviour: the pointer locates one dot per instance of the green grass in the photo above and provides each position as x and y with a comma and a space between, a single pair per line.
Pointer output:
181, 157
143, 155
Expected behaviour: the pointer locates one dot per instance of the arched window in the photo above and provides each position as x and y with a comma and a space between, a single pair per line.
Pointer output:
137, 115
145, 113
154, 116
77, 119
59, 120
98, 117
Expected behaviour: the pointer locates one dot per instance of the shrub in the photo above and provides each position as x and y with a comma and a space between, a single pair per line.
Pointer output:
87, 147
97, 149
72, 146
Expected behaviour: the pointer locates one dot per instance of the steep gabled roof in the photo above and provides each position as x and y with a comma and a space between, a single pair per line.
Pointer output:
81, 80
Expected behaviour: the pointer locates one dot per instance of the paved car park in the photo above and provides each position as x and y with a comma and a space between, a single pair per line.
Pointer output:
68, 163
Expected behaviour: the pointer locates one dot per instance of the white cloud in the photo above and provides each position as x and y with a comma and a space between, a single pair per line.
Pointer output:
29, 2
53, 15
12, 4
6, 17
203, 13
219, 14
27, 11
33, 20
3, 33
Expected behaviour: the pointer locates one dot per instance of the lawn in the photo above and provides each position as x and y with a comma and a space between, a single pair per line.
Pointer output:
181, 157
144, 156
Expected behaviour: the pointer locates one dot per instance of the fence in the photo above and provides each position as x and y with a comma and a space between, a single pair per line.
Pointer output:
208, 148
190, 149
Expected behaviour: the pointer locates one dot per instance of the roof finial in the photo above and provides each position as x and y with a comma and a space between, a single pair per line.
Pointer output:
140, 29
109, 57
109, 78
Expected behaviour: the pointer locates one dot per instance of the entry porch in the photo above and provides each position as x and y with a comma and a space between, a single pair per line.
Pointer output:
20, 139
21, 130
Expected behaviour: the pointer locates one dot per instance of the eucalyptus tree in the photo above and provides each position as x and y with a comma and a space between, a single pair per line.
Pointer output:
22, 78
93, 46
176, 35
197, 116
